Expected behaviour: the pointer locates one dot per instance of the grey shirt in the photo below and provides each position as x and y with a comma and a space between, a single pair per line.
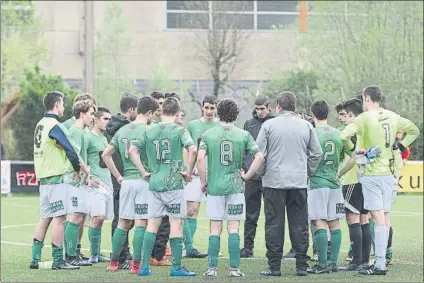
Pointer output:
291, 149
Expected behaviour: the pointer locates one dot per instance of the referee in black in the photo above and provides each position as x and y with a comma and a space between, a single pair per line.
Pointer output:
292, 153
254, 190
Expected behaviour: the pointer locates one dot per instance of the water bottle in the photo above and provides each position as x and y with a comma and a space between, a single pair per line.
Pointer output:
45, 265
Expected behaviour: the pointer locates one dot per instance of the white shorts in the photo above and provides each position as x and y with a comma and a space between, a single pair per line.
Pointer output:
326, 204
53, 200
228, 207
171, 203
193, 191
378, 192
77, 199
133, 199
100, 202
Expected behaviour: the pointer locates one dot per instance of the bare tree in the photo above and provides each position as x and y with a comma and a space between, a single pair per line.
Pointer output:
222, 41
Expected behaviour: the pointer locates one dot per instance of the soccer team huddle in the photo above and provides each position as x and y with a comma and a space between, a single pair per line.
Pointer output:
168, 171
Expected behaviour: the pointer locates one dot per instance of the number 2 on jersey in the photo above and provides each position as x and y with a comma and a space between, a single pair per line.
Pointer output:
226, 153
162, 149
328, 154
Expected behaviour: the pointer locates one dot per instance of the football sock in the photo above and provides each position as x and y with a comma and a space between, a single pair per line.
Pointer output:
213, 250
118, 241
37, 246
192, 222
366, 243
355, 232
94, 235
177, 251
64, 238
71, 236
321, 241
336, 241
380, 246
57, 254
234, 250
138, 242
188, 239
148, 243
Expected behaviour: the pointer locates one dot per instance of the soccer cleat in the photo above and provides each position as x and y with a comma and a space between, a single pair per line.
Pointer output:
181, 272
194, 253
316, 269
246, 253
235, 272
212, 272
64, 266
136, 266
124, 266
168, 252
270, 272
33, 265
389, 256
145, 272
94, 259
351, 267
332, 267
163, 262
113, 266
372, 270
301, 272
77, 261
103, 258
290, 255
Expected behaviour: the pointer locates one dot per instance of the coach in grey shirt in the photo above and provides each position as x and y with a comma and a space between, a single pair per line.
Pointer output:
292, 153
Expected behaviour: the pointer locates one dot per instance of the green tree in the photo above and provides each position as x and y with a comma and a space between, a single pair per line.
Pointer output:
34, 85
113, 43
22, 43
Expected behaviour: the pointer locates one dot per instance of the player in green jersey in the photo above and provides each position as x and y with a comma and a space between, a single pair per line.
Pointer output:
193, 193
79, 97
77, 200
54, 158
225, 146
163, 143
134, 190
100, 196
378, 127
356, 215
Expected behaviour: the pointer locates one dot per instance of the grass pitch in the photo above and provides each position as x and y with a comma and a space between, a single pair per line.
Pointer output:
20, 215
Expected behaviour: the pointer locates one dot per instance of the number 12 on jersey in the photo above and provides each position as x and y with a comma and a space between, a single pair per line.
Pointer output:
162, 149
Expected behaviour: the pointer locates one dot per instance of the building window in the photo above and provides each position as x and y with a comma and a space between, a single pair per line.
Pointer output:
251, 15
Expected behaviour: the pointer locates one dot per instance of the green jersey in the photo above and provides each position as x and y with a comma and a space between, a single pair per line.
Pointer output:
333, 150
197, 127
69, 123
96, 146
226, 147
164, 144
78, 138
378, 127
121, 142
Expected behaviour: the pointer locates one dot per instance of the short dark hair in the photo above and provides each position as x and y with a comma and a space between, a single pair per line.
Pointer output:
128, 100
147, 103
210, 98
354, 106
51, 98
84, 96
374, 93
82, 106
262, 99
287, 101
339, 107
100, 111
157, 95
359, 96
172, 94
171, 106
228, 110
320, 109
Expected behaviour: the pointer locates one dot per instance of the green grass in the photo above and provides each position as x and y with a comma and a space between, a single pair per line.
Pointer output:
407, 221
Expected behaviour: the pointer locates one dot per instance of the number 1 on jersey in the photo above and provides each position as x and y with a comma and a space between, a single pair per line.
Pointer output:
386, 128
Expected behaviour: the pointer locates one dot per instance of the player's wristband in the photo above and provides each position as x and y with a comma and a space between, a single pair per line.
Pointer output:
401, 147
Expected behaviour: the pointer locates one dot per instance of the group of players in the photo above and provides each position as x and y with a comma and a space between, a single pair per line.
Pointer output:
169, 170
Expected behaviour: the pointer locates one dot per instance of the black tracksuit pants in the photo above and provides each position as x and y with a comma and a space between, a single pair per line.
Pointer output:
275, 203
253, 197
